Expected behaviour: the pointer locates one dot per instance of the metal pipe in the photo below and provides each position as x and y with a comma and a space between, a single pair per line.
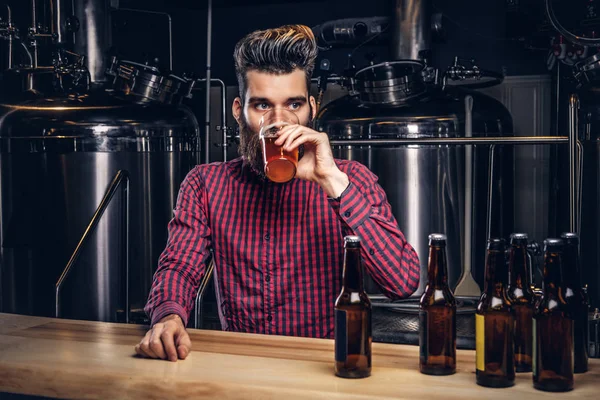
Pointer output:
57, 21
170, 42
63, 10
208, 81
28, 53
125, 247
34, 31
34, 16
224, 118
52, 16
93, 39
488, 228
10, 52
466, 284
170, 30
411, 29
122, 175
198, 320
573, 121
10, 37
223, 112
557, 98
522, 140
468, 182
330, 79
579, 181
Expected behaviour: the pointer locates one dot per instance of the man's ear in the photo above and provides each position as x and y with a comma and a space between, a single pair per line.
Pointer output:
313, 106
237, 109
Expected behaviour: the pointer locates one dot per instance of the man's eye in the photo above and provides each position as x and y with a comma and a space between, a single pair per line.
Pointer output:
295, 105
262, 106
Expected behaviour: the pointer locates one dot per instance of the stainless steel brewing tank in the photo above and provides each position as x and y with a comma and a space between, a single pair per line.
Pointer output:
425, 184
57, 158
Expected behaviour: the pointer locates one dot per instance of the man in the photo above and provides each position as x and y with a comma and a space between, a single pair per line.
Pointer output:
277, 248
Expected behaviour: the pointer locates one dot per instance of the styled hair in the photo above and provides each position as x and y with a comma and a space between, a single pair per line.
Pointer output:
276, 51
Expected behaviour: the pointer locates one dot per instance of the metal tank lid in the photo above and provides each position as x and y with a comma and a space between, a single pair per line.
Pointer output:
439, 113
93, 115
391, 83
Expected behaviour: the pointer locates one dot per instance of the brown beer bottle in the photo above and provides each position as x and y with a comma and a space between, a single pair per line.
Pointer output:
437, 315
494, 323
522, 299
577, 300
552, 328
352, 317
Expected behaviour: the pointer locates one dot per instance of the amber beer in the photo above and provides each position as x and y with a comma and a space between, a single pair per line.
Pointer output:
577, 300
553, 328
494, 323
437, 314
280, 165
522, 298
352, 317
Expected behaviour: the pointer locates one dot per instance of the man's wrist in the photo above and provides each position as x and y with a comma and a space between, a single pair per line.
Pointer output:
166, 309
171, 317
335, 183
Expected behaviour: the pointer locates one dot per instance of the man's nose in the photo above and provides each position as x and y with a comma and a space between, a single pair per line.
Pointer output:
278, 112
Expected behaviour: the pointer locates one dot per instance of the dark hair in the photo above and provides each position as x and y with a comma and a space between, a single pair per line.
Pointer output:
276, 51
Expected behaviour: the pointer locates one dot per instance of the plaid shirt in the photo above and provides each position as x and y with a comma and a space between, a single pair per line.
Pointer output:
278, 248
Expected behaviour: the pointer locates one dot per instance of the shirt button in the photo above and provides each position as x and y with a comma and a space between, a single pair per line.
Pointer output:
267, 236
371, 252
347, 214
268, 278
269, 318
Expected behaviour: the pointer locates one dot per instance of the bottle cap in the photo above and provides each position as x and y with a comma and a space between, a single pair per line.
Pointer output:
570, 238
519, 236
553, 244
437, 239
351, 241
496, 244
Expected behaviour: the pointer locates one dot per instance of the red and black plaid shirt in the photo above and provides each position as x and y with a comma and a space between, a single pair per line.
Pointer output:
278, 248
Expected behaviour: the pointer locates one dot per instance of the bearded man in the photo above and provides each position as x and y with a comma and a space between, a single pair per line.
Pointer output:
277, 247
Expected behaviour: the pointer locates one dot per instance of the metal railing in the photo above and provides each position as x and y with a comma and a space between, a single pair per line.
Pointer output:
454, 141
575, 154
199, 312
121, 179
223, 127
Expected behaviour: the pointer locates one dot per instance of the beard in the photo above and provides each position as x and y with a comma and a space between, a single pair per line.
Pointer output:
250, 146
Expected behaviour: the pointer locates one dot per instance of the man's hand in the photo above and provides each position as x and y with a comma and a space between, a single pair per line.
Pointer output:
317, 164
167, 339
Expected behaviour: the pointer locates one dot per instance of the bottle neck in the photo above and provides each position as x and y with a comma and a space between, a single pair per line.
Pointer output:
552, 271
519, 276
496, 272
352, 279
437, 270
571, 271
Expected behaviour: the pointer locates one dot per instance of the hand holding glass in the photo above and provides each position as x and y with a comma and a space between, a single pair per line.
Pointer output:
280, 165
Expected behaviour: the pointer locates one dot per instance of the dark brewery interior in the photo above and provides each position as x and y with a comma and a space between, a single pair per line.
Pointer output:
479, 118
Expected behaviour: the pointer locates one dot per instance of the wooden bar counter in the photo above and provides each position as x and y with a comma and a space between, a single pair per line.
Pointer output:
82, 359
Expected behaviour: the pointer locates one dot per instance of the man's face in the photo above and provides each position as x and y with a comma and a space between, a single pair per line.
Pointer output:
264, 92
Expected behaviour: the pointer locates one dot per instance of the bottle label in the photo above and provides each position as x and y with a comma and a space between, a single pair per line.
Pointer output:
423, 335
480, 342
341, 335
